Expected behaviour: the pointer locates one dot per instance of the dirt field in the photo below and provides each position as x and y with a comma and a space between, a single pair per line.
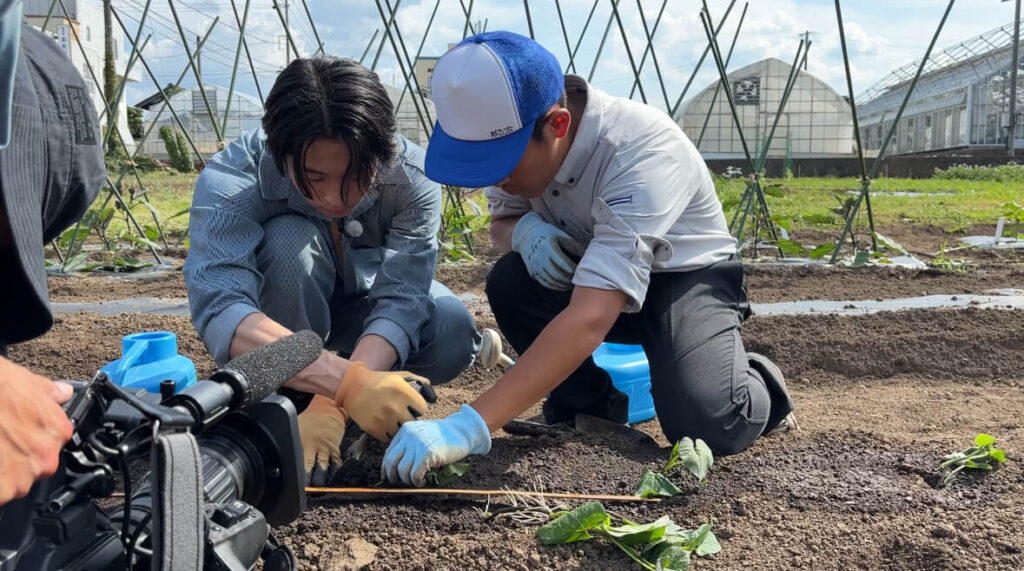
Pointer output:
880, 399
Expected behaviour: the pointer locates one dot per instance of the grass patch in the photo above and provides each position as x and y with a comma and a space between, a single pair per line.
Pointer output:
168, 192
812, 203
805, 203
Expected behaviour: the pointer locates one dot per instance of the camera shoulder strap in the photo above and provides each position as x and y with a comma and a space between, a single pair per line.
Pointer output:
178, 517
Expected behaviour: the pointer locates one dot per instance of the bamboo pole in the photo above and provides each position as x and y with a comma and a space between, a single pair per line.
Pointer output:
718, 88
468, 492
248, 56
368, 46
195, 70
650, 46
629, 52
888, 137
234, 67
654, 56
700, 62
572, 56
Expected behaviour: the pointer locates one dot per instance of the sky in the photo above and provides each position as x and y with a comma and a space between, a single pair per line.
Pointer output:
880, 36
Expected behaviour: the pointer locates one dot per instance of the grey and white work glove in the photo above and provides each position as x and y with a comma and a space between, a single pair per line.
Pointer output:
545, 250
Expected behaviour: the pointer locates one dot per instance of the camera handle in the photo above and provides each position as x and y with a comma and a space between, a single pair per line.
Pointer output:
179, 522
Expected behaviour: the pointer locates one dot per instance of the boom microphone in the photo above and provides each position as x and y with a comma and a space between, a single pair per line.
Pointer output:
249, 378
264, 370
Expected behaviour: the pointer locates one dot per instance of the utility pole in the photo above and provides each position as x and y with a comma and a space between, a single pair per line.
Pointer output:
287, 47
1014, 64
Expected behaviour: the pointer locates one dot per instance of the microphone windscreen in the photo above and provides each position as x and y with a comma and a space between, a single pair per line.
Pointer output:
267, 368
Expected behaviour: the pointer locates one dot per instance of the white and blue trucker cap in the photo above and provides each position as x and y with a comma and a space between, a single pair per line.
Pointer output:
488, 91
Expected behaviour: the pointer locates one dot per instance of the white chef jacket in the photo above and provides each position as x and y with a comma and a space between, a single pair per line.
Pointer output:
634, 192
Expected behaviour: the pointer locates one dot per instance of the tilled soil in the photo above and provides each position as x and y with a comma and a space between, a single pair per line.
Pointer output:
880, 399
769, 284
87, 288
765, 283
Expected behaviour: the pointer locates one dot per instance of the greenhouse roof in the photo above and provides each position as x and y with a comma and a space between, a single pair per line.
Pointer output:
975, 51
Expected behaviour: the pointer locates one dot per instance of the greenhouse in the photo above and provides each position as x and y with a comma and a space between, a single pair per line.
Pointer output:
961, 100
816, 122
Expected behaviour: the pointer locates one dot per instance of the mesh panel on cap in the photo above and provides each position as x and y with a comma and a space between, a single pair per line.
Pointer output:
537, 79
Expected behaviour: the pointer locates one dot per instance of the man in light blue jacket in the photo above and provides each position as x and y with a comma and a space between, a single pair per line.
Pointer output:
324, 220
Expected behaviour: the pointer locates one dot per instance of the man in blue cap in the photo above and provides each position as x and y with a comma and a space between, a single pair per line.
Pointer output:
613, 232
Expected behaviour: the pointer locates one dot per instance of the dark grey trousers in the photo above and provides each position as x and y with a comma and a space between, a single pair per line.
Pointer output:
702, 382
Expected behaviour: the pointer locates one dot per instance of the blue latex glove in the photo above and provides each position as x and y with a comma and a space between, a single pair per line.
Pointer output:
545, 250
423, 445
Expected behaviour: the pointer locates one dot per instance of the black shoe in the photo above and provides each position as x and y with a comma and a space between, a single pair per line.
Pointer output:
781, 417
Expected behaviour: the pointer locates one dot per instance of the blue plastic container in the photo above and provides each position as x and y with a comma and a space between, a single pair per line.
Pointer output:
627, 365
148, 358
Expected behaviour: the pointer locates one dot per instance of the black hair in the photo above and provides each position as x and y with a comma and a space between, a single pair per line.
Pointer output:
538, 125
330, 97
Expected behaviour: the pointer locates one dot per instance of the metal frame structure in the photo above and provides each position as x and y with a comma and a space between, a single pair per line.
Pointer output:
753, 209
867, 175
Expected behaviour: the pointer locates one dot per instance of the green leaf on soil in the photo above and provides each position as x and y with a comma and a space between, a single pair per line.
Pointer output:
152, 234
673, 458
791, 248
575, 525
704, 542
633, 534
444, 476
701, 542
655, 484
671, 558
783, 222
128, 264
75, 262
860, 259
984, 440
822, 250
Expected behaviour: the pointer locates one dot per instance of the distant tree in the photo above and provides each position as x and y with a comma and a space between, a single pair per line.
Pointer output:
177, 150
135, 122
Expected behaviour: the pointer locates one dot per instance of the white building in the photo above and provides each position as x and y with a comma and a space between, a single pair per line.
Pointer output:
816, 121
87, 21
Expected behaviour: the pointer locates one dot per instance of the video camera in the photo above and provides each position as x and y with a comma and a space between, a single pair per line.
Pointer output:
226, 464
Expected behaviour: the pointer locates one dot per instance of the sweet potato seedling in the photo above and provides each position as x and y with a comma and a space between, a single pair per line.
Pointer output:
442, 477
982, 456
694, 455
659, 545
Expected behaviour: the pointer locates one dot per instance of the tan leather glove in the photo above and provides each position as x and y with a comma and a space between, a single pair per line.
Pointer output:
380, 401
321, 428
